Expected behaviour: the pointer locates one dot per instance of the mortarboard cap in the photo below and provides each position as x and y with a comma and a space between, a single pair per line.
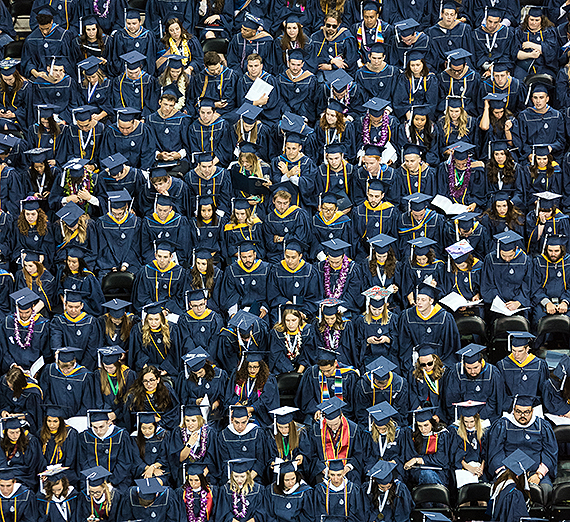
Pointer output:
518, 462
241, 465
507, 240
53, 410
458, 56
338, 79
406, 27
114, 164
127, 114
471, 353
75, 166
203, 253
469, 408
294, 123
495, 12
154, 308
422, 245
74, 296
96, 476
547, 199
195, 468
556, 240
145, 417
116, 307
426, 349
241, 204
119, 198
175, 61
536, 11
66, 354
149, 488
238, 412
251, 22
37, 155
335, 105
412, 148
382, 412
335, 247
381, 367
460, 149
336, 464
430, 291
31, 255
296, 54
173, 90
243, 321
376, 106
158, 172
454, 102
330, 197
377, 47
496, 100
324, 354
191, 410
284, 414
525, 401
46, 10
296, 245
198, 294
167, 246
11, 473
7, 142
460, 251
12, 423
133, 59
539, 87
330, 305
132, 14
331, 408
110, 354
370, 6
423, 414
382, 471
247, 147
97, 415
415, 54
25, 298
373, 150
418, 201
376, 184
420, 110
382, 243
195, 359
541, 150
518, 339
249, 113
8, 66
434, 517
90, 65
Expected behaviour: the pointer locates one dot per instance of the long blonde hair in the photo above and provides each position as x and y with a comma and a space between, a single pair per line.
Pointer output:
248, 220
390, 434
81, 229
252, 158
164, 328
247, 487
462, 430
385, 315
463, 119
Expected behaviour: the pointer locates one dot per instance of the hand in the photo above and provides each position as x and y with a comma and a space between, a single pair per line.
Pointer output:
261, 101
112, 416
199, 401
278, 239
262, 313
282, 166
410, 464
513, 305
84, 195
193, 438
471, 208
373, 340
220, 104
534, 479
216, 405
563, 307
295, 171
73, 197
339, 62
508, 125
51, 162
211, 19
317, 416
384, 339
124, 269
325, 67
550, 308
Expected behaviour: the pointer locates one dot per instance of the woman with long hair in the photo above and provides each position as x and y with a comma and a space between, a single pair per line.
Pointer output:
40, 176
19, 448
150, 393
376, 331
45, 132
383, 268
502, 216
542, 175
240, 498
191, 441
21, 395
506, 175
286, 437
416, 86
336, 333
95, 88
214, 19
205, 274
291, 343
153, 341
34, 276
427, 383
57, 499
244, 225
252, 385
467, 451
293, 37
510, 491
427, 445
16, 102
34, 231
178, 41
100, 501
75, 276
112, 380
74, 228
149, 440
545, 219
456, 124
174, 73
115, 325
91, 41
58, 441
198, 495
387, 498
420, 130
289, 498
206, 228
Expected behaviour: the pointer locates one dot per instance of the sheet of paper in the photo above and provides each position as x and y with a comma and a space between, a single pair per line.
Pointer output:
205, 407
498, 306
462, 476
448, 206
558, 419
456, 301
37, 366
389, 153
173, 318
79, 423
258, 89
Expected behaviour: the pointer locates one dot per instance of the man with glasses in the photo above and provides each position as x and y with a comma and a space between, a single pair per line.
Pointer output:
534, 435
474, 379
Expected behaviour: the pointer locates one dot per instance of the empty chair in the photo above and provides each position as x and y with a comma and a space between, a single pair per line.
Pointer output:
471, 495
118, 285
220, 45
427, 495
472, 330
288, 384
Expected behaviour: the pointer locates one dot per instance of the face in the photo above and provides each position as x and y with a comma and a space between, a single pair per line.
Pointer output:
163, 258
73, 263
254, 68
422, 260
493, 23
57, 488
248, 258
126, 127
336, 477
520, 353
408, 40
469, 422
522, 414
424, 427
162, 211
554, 253
58, 72
240, 424
25, 314
96, 491
194, 481
426, 362
283, 429
198, 307
540, 100
292, 150
119, 213
507, 255
370, 18
412, 162
500, 156
9, 79
247, 32
329, 319
534, 22
376, 59
52, 423
109, 368
292, 31
334, 424
375, 312
148, 429
239, 478
374, 197
84, 125
202, 265
175, 73
45, 29
253, 369
448, 16
371, 163
206, 114
423, 303
161, 186
133, 25
241, 215
502, 207
416, 66
6, 487
73, 309
13, 435
191, 422
331, 116
215, 69
281, 204
474, 369
454, 113
292, 322
331, 27
91, 31
31, 215
289, 480
66, 367
501, 78
420, 121
175, 31
329, 370
329, 210
296, 66
100, 427
456, 70
292, 259
166, 107
154, 321
206, 211
150, 381
542, 161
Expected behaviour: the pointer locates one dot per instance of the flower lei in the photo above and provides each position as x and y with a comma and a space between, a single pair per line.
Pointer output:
457, 190
29, 336
201, 451
243, 512
383, 130
293, 348
189, 502
341, 279
106, 6
335, 341
73, 188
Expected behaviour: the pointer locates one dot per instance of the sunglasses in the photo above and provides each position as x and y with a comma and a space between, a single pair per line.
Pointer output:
331, 26
425, 365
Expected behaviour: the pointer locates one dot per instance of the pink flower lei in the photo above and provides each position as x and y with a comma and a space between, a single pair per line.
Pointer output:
239, 513
106, 6
383, 131
29, 336
341, 279
457, 190
201, 447
335, 340
189, 503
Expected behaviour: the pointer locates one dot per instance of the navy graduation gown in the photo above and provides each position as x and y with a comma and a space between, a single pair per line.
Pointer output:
240, 48
345, 347
469, 191
220, 87
64, 453
6, 288
343, 45
525, 378
153, 284
399, 510
106, 509
415, 91
80, 332
549, 280
470, 450
53, 510
292, 506
510, 281
381, 84
215, 137
12, 353
443, 41
29, 461
536, 128
61, 94
219, 186
93, 297
327, 180
369, 221
152, 450
299, 95
425, 393
242, 287
159, 11
369, 352
254, 505
493, 47
38, 50
536, 439
487, 387
272, 110
477, 9
405, 184
24, 500
350, 292
190, 389
478, 238
430, 226
122, 42
113, 401
509, 505
542, 183
20, 103
198, 330
136, 146
90, 244
141, 94
165, 507
468, 87
168, 418
46, 288
28, 403
11, 190
78, 144
516, 92
465, 282
305, 181
434, 451
292, 224
250, 443
168, 134
74, 393
175, 228
178, 193
229, 350
100, 97
283, 357
33, 240
556, 224
347, 502
437, 329
368, 394
339, 227
414, 274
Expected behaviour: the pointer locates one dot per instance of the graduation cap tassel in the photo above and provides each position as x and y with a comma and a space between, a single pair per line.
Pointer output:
279, 312
498, 247
563, 380
448, 263
186, 300
79, 75
186, 374
456, 229
182, 410
229, 474
161, 30
369, 490
528, 94
370, 423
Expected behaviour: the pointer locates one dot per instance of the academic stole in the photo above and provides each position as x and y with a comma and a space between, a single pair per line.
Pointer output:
431, 446
336, 447
325, 394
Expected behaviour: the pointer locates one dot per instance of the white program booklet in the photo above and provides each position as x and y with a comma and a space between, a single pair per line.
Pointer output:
258, 89
448, 206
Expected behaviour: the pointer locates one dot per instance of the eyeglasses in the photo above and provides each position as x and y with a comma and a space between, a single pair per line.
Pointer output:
331, 26
424, 365
148, 381
523, 412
